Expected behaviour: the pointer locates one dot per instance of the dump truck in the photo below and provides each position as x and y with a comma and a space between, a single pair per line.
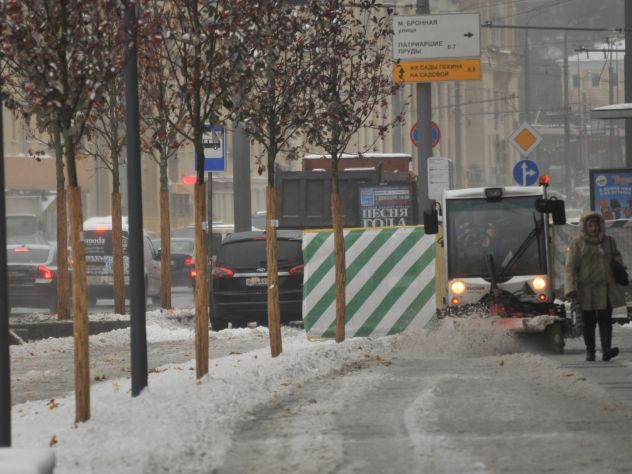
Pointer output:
377, 190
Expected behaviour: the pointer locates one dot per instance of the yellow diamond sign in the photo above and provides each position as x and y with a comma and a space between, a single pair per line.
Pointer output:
525, 139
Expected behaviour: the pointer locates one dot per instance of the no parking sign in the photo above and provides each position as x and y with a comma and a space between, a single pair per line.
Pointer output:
435, 132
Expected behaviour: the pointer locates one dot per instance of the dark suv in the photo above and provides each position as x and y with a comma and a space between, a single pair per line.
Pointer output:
240, 286
32, 274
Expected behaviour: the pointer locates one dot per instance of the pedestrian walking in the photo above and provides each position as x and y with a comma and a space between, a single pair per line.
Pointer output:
590, 281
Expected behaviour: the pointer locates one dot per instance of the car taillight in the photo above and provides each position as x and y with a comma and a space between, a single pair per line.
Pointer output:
188, 261
21, 249
297, 270
193, 273
45, 272
222, 272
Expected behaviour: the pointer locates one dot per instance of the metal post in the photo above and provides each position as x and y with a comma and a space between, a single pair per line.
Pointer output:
209, 213
210, 248
567, 129
627, 72
458, 155
135, 212
5, 361
242, 198
424, 127
398, 131
527, 89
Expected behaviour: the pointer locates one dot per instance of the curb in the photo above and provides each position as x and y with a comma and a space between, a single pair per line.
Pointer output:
21, 333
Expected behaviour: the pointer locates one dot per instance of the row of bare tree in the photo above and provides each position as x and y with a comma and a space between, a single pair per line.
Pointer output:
291, 75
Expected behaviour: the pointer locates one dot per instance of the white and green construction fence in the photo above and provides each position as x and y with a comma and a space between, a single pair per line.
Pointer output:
390, 286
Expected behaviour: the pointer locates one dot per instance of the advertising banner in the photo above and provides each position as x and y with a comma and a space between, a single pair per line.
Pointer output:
384, 206
611, 192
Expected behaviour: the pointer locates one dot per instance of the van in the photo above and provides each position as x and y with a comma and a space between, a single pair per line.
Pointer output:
220, 230
24, 229
97, 239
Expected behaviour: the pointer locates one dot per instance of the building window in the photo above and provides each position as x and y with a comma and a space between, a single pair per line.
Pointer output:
595, 80
576, 81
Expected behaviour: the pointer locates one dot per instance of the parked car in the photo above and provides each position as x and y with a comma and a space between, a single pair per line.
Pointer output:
239, 276
97, 238
32, 276
219, 231
182, 254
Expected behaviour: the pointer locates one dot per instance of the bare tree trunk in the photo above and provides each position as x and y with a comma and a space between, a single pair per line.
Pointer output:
201, 286
339, 250
274, 311
117, 255
62, 256
165, 257
80, 309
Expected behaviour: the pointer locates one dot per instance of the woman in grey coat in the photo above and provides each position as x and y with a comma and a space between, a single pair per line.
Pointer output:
589, 280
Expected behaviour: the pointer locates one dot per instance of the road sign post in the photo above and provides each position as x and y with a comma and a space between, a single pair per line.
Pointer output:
436, 36
425, 37
526, 172
525, 139
213, 142
435, 133
437, 70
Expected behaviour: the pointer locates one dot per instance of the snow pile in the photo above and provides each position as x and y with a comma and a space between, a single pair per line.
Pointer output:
459, 337
176, 414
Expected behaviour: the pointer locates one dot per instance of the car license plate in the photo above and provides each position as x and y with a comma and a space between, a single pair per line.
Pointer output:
100, 280
17, 274
256, 281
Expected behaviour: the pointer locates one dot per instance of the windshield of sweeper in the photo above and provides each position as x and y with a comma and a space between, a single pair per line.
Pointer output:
510, 230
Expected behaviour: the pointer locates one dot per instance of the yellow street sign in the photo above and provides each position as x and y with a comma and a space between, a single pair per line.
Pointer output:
525, 139
437, 70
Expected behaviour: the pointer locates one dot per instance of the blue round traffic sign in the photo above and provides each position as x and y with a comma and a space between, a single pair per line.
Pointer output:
435, 133
526, 172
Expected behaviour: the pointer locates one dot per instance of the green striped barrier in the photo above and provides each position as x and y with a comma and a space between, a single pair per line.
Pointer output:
390, 281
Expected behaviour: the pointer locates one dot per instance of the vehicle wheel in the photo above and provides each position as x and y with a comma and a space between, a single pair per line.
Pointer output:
554, 338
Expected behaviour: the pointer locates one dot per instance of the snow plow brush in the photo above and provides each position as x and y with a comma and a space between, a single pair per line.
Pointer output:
533, 324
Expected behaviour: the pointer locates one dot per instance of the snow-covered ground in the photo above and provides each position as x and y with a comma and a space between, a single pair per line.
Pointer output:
180, 424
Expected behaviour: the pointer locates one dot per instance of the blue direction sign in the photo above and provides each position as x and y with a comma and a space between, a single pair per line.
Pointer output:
526, 172
213, 142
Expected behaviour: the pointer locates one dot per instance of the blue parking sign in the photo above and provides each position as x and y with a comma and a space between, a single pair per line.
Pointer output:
526, 172
213, 143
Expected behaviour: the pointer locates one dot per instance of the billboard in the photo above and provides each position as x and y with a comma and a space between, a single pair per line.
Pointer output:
611, 192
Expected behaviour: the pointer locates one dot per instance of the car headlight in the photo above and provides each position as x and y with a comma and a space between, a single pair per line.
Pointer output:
538, 283
457, 287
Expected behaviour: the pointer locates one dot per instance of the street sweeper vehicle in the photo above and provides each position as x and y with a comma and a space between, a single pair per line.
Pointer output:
496, 259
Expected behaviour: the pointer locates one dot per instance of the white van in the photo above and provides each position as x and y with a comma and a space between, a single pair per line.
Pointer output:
97, 239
